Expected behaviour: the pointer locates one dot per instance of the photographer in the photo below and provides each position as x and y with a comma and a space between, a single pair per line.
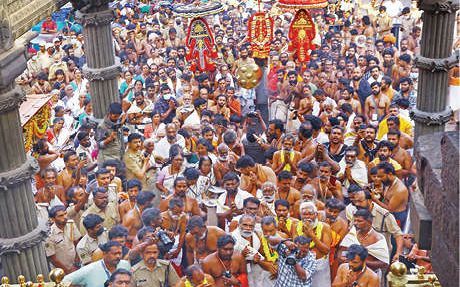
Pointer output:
108, 135
296, 263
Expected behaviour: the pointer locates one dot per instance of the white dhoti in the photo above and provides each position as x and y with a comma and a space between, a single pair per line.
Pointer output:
322, 275
258, 277
178, 260
279, 110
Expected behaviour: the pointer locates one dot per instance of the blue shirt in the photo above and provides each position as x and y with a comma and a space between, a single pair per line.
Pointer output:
287, 276
94, 274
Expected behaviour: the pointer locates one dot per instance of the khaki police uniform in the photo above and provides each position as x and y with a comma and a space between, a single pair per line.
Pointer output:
144, 277
109, 214
87, 245
60, 243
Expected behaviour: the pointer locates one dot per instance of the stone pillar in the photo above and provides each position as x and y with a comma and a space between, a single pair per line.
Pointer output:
21, 234
434, 62
102, 68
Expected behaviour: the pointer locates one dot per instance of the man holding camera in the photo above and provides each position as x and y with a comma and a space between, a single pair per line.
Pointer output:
296, 264
108, 135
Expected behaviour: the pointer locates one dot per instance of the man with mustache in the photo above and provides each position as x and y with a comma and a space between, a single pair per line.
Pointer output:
321, 239
304, 175
102, 207
286, 158
355, 271
308, 194
384, 151
72, 165
95, 235
201, 240
367, 143
132, 219
195, 277
154, 272
180, 191
286, 223
226, 266
326, 184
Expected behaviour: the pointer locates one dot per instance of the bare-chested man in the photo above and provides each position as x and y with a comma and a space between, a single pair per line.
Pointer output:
175, 223
306, 103
308, 194
326, 184
377, 104
347, 97
305, 173
201, 240
285, 190
286, 224
286, 158
320, 234
72, 165
355, 272
402, 156
51, 194
132, 219
180, 191
134, 186
227, 267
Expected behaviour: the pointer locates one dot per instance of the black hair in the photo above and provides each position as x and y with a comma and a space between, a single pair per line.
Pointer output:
268, 220
282, 202
149, 215
191, 173
334, 203
387, 167
108, 245
68, 154
224, 240
145, 197
111, 162
364, 213
179, 178
102, 171
134, 136
356, 250
230, 176
143, 231
55, 209
284, 175
175, 202
302, 240
117, 272
245, 161
279, 125
195, 221
91, 220
134, 183
353, 188
251, 200
118, 231
385, 143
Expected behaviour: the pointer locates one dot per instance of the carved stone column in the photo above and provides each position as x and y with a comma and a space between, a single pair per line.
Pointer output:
434, 62
102, 68
21, 234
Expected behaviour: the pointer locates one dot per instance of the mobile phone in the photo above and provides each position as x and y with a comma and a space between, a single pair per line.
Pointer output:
82, 155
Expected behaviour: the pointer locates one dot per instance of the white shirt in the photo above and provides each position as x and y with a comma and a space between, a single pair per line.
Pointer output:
162, 147
394, 8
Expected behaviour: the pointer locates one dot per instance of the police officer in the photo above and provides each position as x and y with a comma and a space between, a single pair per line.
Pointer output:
154, 272
60, 244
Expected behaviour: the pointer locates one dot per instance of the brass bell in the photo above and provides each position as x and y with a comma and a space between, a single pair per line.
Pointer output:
249, 75
398, 269
56, 275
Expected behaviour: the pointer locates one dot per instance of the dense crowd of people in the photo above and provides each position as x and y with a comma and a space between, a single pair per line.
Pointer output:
192, 180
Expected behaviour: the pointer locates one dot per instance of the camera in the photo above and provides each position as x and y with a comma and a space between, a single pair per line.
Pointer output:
164, 242
252, 114
291, 258
116, 126
227, 274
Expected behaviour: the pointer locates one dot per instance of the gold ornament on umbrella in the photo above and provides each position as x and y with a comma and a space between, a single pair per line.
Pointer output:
249, 76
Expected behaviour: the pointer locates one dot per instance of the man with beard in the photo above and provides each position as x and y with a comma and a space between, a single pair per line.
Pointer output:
95, 236
72, 165
377, 104
132, 219
360, 85
248, 243
347, 97
335, 147
166, 104
320, 234
201, 240
60, 243
108, 135
339, 228
226, 162
85, 150
286, 159
174, 223
243, 60
355, 272
251, 206
285, 190
405, 126
97, 273
112, 166
306, 144
406, 92
326, 184
304, 175
253, 175
161, 152
133, 187
307, 194
384, 150
221, 107
51, 194
399, 154
103, 180
154, 272
274, 134
387, 89
226, 266
286, 223
136, 163
288, 91
230, 202
393, 123
366, 143
180, 191
362, 233
102, 207
306, 102
382, 220
195, 277
396, 195
352, 170
267, 196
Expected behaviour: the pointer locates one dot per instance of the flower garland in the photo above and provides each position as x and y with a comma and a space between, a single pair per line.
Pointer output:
189, 284
270, 254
